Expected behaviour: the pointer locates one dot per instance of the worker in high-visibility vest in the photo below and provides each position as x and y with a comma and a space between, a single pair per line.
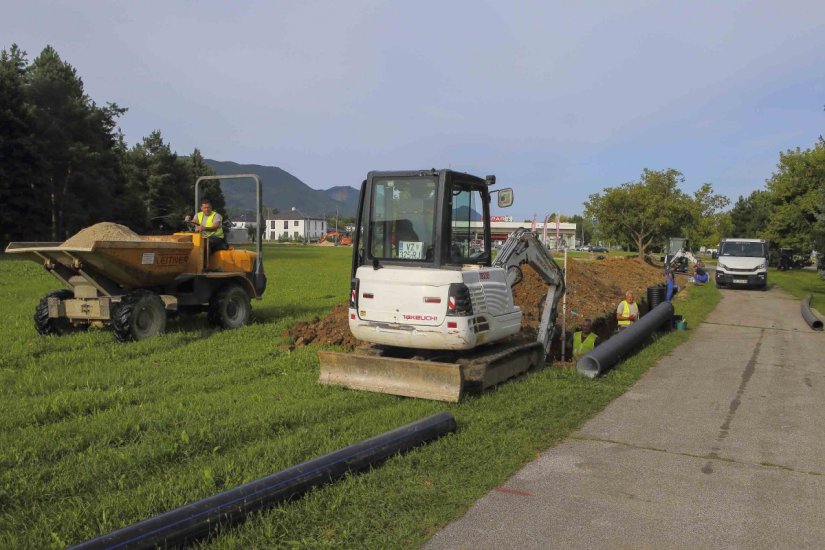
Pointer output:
628, 311
584, 340
210, 223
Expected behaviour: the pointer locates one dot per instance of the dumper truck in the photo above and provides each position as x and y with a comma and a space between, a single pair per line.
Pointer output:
132, 284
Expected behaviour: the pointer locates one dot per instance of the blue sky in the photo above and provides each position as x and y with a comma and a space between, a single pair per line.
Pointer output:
559, 100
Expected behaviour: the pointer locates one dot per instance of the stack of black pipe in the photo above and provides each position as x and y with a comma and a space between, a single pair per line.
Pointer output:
656, 295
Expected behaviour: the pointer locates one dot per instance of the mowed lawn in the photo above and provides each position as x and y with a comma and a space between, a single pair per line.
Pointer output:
96, 435
800, 283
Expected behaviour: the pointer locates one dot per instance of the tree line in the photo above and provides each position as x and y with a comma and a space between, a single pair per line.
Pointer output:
789, 211
65, 165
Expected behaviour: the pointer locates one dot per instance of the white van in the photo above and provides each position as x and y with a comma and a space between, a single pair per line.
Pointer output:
742, 262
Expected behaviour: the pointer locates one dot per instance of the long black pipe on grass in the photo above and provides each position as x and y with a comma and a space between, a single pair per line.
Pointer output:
813, 321
611, 352
198, 519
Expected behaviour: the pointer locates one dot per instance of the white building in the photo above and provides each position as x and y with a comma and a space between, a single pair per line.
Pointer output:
293, 227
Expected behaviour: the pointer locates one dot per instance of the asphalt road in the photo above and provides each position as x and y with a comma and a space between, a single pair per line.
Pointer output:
720, 445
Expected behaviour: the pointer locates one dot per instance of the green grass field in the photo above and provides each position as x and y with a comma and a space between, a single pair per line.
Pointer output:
800, 283
97, 435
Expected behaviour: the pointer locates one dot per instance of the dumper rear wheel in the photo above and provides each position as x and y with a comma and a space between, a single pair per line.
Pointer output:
139, 315
230, 307
45, 325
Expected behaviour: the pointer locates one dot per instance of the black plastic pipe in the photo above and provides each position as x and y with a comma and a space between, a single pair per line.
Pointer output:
813, 321
198, 519
610, 352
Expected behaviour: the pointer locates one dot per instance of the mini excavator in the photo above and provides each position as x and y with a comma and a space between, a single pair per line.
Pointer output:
434, 309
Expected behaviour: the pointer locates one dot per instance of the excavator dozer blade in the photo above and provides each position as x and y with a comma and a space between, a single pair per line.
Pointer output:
407, 377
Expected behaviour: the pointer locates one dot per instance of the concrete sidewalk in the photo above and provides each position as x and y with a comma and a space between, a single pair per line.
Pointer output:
720, 445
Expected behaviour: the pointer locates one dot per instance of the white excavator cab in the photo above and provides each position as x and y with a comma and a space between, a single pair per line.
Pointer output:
426, 294
422, 275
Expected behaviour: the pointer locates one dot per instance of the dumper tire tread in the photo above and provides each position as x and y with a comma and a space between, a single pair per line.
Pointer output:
230, 307
140, 314
45, 325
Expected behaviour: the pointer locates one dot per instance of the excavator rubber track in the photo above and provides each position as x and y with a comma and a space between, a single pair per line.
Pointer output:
439, 376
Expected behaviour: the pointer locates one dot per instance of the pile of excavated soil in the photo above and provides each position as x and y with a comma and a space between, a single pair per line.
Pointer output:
104, 231
594, 289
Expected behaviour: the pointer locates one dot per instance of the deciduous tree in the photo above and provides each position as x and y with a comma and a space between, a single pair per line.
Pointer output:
641, 213
796, 191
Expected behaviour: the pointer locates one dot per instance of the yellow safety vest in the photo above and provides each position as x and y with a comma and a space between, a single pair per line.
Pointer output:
218, 232
581, 348
625, 312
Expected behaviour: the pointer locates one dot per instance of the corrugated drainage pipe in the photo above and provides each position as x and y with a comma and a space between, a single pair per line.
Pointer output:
610, 352
813, 321
198, 519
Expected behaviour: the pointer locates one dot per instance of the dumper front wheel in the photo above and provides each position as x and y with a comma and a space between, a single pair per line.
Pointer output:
139, 315
45, 325
230, 307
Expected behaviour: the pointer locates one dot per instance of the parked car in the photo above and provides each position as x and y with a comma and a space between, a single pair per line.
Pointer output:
598, 249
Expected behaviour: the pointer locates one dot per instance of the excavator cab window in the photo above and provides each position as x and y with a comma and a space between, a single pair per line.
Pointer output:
467, 244
403, 218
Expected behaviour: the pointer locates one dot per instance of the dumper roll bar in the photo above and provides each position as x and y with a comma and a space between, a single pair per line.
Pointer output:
259, 268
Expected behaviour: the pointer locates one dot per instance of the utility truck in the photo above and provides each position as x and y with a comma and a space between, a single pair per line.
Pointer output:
434, 308
742, 263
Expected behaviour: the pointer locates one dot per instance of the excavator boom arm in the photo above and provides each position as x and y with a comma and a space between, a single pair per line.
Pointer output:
523, 247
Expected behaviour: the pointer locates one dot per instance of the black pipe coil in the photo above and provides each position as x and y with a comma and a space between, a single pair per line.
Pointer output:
813, 321
198, 519
611, 352
656, 295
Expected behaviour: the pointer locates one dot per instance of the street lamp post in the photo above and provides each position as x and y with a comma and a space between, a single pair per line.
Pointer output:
336, 226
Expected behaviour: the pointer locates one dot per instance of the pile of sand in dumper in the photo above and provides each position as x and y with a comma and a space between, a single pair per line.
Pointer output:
103, 231
594, 289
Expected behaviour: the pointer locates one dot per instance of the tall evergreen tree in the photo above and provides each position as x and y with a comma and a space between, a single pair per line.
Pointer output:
78, 168
162, 180
210, 189
749, 216
24, 218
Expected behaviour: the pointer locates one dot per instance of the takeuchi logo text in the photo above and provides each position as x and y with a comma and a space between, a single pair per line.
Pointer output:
418, 317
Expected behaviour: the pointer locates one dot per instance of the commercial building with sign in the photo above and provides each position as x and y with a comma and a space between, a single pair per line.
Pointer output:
502, 226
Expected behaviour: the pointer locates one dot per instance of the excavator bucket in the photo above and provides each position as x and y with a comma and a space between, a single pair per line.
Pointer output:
406, 377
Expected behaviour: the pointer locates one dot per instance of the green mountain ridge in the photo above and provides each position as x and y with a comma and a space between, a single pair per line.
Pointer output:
282, 191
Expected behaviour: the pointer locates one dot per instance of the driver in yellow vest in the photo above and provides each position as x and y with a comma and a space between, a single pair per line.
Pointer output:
628, 311
209, 223
584, 340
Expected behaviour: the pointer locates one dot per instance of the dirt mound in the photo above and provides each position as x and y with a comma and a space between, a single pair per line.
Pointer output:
332, 329
104, 231
594, 289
